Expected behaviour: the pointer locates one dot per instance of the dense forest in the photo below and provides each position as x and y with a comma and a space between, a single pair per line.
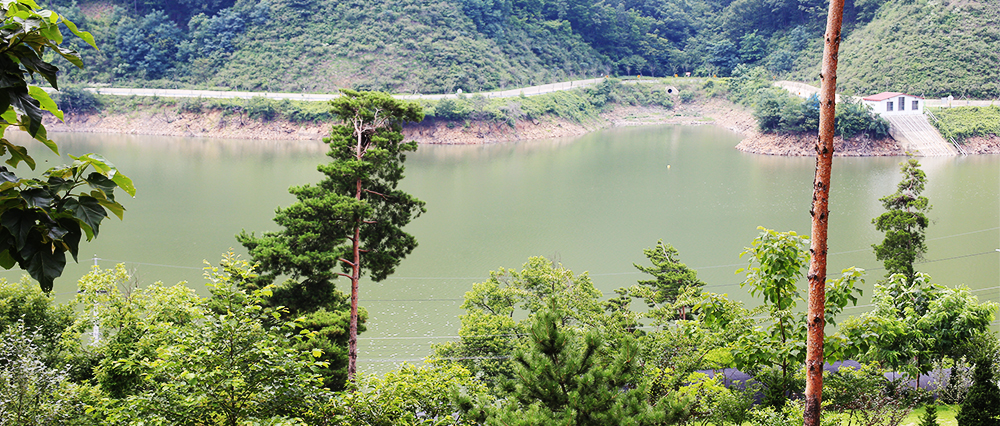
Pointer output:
434, 46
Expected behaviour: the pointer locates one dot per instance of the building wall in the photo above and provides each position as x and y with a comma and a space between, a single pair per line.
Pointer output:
882, 107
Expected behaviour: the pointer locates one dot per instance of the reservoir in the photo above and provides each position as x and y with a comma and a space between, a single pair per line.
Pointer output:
592, 203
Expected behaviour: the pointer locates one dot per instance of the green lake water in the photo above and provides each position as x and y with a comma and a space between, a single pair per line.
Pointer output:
592, 203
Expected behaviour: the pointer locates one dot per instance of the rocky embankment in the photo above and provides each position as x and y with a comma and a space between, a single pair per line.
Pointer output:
982, 145
804, 144
214, 124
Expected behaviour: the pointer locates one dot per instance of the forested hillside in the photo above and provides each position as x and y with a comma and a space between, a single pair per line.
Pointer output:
434, 46
925, 48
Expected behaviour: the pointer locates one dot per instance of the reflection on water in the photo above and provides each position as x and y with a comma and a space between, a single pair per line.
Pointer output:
593, 202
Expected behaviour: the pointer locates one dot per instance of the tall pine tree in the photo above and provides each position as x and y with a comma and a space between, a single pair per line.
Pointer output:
904, 223
351, 222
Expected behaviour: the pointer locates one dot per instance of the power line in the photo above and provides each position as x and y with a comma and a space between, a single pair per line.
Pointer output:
411, 300
595, 275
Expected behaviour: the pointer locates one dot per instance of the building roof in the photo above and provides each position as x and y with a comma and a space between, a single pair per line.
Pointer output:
887, 95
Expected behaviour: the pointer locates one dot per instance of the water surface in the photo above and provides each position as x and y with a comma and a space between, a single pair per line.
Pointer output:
592, 203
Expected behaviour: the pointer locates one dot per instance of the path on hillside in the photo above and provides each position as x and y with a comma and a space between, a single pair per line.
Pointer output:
320, 97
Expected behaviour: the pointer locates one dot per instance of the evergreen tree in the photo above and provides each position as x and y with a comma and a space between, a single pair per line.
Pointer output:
565, 379
930, 417
982, 404
904, 223
352, 219
670, 276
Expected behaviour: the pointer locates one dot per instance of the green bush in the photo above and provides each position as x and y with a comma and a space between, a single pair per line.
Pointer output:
982, 404
190, 105
76, 99
855, 118
964, 122
930, 417
261, 108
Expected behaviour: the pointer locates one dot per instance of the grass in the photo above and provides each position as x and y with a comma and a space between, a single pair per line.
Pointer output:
946, 416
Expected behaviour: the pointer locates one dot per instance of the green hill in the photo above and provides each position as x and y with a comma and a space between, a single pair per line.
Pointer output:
925, 48
436, 46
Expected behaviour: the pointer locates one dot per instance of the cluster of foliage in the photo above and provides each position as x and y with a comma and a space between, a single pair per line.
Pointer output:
46, 217
916, 323
962, 123
779, 111
167, 356
864, 396
554, 364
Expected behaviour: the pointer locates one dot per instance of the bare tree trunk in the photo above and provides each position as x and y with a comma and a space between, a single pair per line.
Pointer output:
816, 321
352, 337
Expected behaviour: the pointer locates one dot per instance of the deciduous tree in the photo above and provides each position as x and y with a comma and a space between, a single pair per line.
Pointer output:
916, 322
43, 218
777, 343
490, 332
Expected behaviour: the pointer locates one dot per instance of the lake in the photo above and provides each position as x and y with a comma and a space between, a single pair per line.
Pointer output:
592, 203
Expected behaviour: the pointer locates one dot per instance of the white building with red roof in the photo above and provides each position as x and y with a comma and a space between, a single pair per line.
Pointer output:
894, 103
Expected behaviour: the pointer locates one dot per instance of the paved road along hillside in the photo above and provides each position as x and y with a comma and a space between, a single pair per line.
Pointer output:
182, 93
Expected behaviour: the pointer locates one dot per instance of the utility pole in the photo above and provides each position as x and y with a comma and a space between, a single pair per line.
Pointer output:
815, 318
95, 337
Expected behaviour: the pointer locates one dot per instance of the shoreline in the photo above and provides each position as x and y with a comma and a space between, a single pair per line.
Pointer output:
215, 124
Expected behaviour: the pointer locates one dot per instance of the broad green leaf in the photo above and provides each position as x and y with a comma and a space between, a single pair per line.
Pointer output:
124, 183
87, 37
37, 198
57, 184
51, 32
116, 208
88, 210
19, 223
30, 60
6, 261
72, 238
42, 136
70, 55
9, 115
100, 182
17, 154
45, 101
95, 160
46, 265
56, 233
